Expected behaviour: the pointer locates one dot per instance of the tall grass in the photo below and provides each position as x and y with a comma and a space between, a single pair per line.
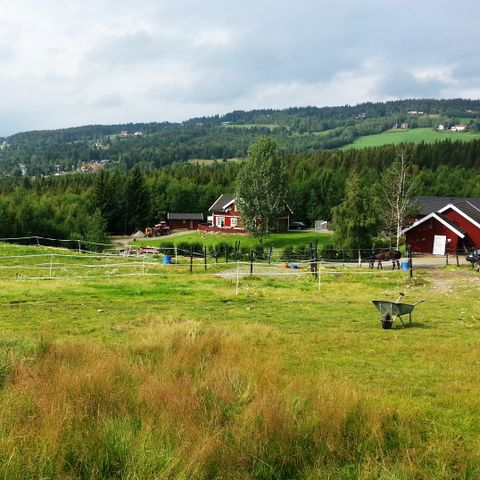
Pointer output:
189, 401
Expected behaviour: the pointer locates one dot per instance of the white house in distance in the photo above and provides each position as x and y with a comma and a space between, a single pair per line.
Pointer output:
459, 128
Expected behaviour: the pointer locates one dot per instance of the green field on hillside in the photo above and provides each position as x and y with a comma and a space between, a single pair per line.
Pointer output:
248, 126
166, 374
415, 135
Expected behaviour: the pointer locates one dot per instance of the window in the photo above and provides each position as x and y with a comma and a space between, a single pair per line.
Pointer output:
220, 222
233, 222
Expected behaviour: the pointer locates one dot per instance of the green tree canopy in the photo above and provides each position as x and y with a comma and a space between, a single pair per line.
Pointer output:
261, 188
356, 220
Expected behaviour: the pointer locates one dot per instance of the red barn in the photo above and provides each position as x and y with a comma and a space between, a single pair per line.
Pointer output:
454, 227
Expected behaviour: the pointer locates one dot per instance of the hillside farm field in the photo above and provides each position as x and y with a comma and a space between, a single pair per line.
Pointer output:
415, 135
174, 375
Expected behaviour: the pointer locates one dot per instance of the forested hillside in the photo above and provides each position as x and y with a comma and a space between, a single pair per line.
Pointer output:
118, 201
155, 145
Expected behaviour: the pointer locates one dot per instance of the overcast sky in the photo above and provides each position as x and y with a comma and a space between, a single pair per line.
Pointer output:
71, 62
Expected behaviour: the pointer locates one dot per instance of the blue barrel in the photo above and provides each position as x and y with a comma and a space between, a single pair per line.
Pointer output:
293, 265
404, 265
167, 259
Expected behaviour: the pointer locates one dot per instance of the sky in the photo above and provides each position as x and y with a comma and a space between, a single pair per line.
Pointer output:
70, 62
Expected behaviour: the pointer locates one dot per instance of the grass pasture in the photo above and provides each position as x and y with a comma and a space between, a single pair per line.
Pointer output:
278, 240
414, 135
176, 376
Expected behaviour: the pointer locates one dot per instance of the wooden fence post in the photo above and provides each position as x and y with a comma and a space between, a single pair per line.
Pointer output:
191, 259
410, 262
251, 262
205, 256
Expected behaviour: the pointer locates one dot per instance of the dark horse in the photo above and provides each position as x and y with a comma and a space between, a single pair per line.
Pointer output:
384, 256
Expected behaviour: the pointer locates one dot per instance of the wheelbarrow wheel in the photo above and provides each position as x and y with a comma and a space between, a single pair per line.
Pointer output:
387, 321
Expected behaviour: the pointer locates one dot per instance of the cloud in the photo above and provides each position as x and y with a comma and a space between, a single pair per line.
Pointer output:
106, 61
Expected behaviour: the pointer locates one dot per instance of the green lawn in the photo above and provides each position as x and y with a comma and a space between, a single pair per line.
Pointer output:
174, 375
415, 135
278, 240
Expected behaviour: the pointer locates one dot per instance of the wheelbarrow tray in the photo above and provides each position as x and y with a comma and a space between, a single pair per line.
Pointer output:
393, 308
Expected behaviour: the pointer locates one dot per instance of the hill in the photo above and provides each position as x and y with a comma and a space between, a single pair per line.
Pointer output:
154, 145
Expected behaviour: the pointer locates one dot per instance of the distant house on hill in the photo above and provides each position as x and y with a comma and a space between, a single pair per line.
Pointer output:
459, 128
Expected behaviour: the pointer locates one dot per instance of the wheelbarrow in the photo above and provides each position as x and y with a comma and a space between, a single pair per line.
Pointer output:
393, 310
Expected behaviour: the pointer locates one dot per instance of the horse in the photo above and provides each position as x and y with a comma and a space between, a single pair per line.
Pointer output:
385, 255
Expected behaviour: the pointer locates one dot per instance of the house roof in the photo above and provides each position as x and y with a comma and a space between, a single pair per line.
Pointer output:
466, 210
442, 219
222, 202
184, 216
434, 204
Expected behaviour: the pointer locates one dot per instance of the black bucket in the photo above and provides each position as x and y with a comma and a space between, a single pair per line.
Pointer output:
387, 322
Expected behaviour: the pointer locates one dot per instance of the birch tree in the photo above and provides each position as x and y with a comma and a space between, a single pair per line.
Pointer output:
397, 186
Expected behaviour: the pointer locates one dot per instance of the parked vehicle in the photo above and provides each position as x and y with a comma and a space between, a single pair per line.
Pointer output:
297, 226
473, 256
158, 230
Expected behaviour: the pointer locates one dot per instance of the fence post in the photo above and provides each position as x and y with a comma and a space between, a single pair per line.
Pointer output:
51, 265
312, 269
191, 259
446, 256
270, 254
226, 253
79, 246
215, 253
251, 262
205, 256
176, 255
316, 258
456, 256
410, 262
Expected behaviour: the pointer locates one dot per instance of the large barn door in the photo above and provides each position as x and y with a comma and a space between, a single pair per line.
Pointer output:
439, 242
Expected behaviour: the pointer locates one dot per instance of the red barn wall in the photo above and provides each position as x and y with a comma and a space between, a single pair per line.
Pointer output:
184, 224
473, 232
421, 237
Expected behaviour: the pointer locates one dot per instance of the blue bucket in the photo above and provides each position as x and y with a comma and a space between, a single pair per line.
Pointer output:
167, 260
404, 265
293, 265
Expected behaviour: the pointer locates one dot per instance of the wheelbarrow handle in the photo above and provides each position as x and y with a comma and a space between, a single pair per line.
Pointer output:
421, 301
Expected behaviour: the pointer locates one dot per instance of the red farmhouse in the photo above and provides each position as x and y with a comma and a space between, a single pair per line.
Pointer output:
225, 216
455, 227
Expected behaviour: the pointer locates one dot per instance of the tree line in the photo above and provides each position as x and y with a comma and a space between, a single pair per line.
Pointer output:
120, 202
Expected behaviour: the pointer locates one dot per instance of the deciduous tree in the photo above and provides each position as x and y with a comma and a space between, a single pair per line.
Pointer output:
261, 188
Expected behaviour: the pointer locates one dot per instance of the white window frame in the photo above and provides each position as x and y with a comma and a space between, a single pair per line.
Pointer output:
220, 222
